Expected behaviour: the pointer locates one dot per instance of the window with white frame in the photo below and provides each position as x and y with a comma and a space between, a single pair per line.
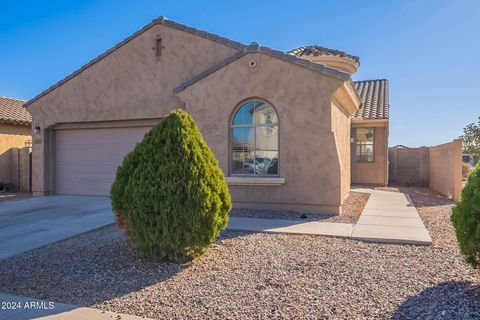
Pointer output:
254, 139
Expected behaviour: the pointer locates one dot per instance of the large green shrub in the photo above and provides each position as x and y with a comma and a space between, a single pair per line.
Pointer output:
169, 194
466, 218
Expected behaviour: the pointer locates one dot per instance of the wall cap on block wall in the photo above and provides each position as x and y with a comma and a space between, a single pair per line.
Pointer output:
259, 181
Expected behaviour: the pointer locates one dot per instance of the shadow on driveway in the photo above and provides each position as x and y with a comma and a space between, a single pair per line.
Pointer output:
32, 223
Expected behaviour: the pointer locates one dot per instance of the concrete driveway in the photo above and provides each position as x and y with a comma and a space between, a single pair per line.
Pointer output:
32, 223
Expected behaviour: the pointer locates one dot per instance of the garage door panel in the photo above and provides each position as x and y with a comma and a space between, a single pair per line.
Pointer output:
87, 159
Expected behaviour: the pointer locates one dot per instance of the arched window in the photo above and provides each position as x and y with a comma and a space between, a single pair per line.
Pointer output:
254, 134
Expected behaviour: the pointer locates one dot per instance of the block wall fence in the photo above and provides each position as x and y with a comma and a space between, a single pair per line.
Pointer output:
438, 167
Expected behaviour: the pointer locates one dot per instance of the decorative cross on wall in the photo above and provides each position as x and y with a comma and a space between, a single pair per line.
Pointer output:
158, 47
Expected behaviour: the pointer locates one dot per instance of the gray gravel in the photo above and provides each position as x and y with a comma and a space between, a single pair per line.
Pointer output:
351, 210
247, 275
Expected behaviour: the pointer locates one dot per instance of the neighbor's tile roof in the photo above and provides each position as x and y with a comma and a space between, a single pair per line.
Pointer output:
318, 50
12, 111
374, 97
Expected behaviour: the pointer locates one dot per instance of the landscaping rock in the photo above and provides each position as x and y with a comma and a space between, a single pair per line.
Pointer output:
248, 275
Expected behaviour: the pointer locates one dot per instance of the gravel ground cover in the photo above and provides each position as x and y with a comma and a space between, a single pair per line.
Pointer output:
255, 276
351, 210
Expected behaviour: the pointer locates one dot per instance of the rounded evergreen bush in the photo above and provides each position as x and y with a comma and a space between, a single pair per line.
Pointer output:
466, 218
169, 194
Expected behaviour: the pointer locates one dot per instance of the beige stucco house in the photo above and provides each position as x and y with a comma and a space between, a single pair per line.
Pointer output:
289, 129
15, 132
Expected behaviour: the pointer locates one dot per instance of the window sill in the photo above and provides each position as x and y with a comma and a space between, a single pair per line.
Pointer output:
255, 181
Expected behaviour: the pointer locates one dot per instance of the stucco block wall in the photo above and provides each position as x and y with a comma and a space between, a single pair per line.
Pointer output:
11, 136
129, 83
308, 159
20, 168
438, 167
446, 169
374, 173
409, 166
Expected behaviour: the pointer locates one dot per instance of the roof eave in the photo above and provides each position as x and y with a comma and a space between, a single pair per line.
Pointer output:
15, 122
369, 120
347, 98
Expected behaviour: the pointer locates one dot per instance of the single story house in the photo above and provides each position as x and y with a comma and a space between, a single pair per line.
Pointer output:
15, 132
290, 130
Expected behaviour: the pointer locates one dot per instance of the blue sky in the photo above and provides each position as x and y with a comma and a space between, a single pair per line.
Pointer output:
428, 50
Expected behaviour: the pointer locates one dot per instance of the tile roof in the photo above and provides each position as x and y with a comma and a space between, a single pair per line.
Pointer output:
315, 50
375, 101
13, 112
207, 35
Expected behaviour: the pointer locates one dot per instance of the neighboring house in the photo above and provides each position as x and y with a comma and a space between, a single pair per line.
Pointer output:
280, 124
15, 132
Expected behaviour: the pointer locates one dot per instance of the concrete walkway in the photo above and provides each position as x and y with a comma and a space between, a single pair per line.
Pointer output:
343, 230
30, 308
31, 223
388, 217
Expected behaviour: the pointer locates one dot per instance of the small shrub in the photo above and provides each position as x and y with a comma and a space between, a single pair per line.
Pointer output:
466, 168
466, 218
169, 194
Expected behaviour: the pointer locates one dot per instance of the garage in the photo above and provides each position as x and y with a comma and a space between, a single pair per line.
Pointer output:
86, 159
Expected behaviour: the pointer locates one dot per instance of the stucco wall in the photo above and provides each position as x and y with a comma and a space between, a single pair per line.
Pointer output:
376, 172
446, 169
11, 136
308, 159
129, 83
341, 128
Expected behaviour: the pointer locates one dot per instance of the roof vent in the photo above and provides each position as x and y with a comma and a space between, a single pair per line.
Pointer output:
254, 46
161, 19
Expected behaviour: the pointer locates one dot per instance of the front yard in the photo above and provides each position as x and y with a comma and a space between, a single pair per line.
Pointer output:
249, 275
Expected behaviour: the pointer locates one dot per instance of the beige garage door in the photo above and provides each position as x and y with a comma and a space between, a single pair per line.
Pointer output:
87, 159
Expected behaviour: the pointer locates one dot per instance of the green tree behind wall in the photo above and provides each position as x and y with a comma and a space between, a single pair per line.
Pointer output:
471, 139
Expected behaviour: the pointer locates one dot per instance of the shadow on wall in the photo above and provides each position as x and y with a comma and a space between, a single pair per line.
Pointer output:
447, 300
5, 165
15, 168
